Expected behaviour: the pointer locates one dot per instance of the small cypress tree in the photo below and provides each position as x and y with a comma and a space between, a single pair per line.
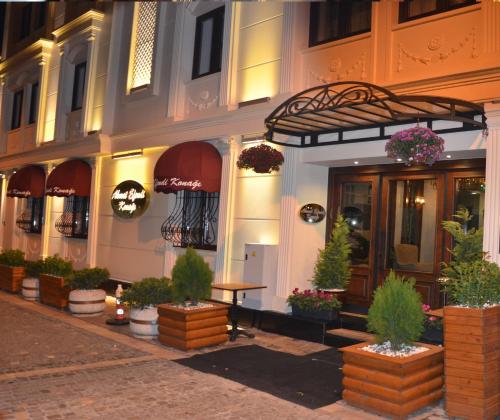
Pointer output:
332, 270
191, 277
396, 313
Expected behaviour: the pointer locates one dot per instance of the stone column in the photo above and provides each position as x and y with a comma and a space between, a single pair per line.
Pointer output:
47, 219
492, 200
93, 232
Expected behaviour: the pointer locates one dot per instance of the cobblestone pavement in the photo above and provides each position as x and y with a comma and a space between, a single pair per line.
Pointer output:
98, 373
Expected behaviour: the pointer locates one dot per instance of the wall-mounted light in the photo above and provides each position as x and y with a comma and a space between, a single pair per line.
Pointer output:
448, 156
127, 155
254, 102
356, 162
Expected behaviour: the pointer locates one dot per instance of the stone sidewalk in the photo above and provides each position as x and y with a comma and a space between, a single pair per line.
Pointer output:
55, 366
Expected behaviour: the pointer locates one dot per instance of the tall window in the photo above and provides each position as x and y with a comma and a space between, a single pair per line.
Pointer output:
142, 45
193, 221
208, 43
74, 222
33, 103
78, 86
332, 20
30, 219
17, 108
414, 9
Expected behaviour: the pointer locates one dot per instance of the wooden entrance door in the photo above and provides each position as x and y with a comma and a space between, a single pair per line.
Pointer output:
357, 198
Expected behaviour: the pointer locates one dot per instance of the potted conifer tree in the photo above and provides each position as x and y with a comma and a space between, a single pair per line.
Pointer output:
31, 283
86, 297
143, 297
394, 376
53, 275
192, 322
11, 269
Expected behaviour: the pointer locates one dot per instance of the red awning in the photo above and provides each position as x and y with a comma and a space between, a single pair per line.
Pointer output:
27, 182
191, 166
70, 178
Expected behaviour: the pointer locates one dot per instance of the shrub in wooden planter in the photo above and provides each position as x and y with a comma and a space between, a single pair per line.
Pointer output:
11, 270
394, 377
53, 288
192, 323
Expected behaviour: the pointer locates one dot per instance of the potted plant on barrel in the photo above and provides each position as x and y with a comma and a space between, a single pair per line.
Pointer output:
142, 298
11, 269
86, 298
192, 323
53, 290
31, 283
394, 376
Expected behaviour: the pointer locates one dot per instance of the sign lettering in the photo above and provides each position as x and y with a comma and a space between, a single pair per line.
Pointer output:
177, 183
129, 199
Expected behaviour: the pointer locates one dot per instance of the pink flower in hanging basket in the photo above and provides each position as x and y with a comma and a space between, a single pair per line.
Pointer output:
262, 159
417, 145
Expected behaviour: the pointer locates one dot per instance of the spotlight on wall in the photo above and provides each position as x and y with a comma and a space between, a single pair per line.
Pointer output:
448, 156
127, 155
252, 138
356, 162
254, 102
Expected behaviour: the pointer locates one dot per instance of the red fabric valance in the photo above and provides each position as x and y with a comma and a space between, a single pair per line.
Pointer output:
191, 166
27, 182
72, 177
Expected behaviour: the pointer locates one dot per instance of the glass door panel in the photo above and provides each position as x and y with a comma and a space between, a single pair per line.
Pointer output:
470, 194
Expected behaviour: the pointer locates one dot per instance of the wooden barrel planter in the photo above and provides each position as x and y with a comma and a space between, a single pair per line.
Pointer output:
144, 322
472, 362
53, 291
87, 302
11, 278
393, 386
187, 329
31, 288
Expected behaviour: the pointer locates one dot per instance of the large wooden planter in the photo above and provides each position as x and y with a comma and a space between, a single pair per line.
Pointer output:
394, 386
11, 278
189, 329
53, 291
472, 362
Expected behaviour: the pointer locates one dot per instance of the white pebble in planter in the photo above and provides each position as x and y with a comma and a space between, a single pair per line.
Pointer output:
87, 302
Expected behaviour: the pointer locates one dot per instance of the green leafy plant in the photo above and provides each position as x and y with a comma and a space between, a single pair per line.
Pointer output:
332, 270
34, 268
396, 313
468, 243
191, 277
12, 258
88, 278
476, 284
57, 266
150, 291
313, 300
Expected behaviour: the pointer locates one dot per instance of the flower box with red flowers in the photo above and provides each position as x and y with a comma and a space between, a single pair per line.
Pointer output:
314, 304
262, 159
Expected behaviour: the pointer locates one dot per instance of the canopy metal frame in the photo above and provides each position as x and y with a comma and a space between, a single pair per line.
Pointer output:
341, 107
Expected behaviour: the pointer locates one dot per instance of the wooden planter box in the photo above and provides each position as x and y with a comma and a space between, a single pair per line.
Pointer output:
472, 362
321, 315
194, 328
11, 278
53, 291
394, 386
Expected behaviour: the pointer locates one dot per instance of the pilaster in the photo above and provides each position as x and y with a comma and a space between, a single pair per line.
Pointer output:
93, 232
47, 218
287, 47
92, 57
491, 237
3, 200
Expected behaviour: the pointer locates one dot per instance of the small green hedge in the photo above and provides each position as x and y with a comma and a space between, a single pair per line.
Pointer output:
12, 258
88, 278
34, 268
150, 291
56, 266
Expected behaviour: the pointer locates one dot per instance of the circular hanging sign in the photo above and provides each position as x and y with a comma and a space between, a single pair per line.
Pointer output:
129, 199
312, 213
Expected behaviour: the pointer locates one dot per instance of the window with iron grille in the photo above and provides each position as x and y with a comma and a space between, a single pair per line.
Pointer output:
74, 221
17, 109
208, 43
78, 86
415, 9
142, 44
33, 103
331, 20
30, 220
193, 221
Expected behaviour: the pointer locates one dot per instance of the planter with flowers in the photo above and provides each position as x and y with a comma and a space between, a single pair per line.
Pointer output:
394, 376
415, 146
262, 159
314, 304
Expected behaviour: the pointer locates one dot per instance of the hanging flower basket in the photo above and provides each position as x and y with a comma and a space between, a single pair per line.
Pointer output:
262, 159
415, 146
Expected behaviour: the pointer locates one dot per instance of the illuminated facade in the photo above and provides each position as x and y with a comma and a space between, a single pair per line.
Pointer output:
123, 80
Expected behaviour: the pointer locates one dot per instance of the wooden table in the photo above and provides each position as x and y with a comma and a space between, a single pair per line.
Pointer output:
235, 288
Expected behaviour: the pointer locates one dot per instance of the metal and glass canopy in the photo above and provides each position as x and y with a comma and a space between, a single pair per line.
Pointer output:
347, 112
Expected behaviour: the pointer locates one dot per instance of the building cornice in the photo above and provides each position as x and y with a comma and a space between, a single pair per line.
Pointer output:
89, 22
39, 51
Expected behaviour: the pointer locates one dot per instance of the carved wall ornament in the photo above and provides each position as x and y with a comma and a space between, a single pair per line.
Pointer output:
336, 73
434, 45
205, 102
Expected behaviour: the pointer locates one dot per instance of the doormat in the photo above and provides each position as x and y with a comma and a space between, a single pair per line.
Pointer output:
313, 381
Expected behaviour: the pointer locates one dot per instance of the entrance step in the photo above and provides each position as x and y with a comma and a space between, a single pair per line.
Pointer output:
351, 334
353, 314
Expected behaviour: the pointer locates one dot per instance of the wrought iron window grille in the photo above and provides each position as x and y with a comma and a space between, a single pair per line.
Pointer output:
31, 218
74, 221
193, 220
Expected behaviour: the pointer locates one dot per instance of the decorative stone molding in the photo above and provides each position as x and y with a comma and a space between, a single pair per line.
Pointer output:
205, 102
336, 73
39, 51
87, 24
435, 44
